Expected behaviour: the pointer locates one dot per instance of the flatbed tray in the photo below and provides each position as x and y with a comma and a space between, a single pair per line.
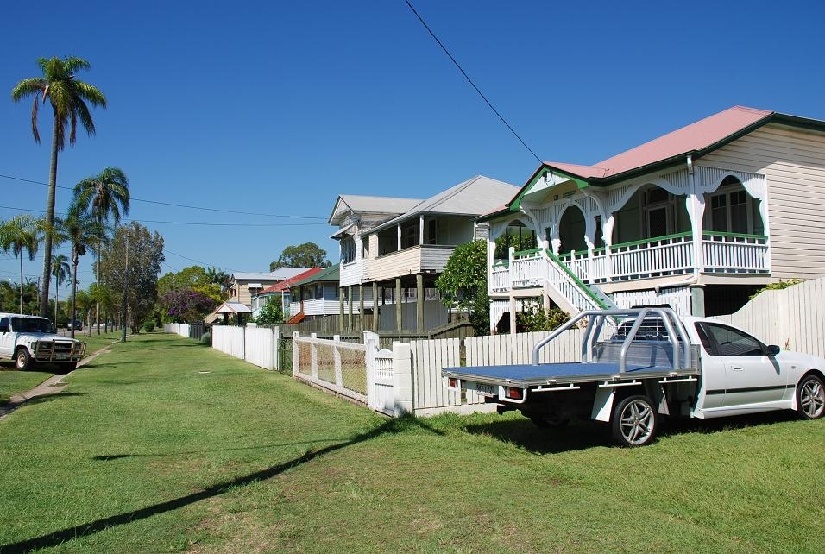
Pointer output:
561, 373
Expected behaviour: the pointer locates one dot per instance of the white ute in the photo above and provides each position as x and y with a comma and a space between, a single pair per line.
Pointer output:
30, 340
637, 364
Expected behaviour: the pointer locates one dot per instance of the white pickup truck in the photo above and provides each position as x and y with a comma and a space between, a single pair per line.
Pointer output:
637, 364
30, 340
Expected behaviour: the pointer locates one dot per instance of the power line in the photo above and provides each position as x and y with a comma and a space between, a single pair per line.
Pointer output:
469, 80
174, 205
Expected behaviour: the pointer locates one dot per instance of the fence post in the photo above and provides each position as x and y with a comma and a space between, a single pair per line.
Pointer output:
336, 356
402, 378
313, 349
371, 346
296, 352
276, 347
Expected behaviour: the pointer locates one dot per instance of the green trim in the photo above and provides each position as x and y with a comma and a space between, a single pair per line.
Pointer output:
579, 283
501, 263
515, 203
528, 252
578, 253
651, 239
734, 235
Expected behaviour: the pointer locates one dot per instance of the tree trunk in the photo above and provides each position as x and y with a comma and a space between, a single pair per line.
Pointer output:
75, 262
47, 250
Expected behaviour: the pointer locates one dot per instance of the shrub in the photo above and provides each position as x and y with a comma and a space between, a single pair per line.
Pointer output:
148, 326
206, 338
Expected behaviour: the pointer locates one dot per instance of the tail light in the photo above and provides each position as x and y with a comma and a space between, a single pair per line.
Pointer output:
514, 393
452, 382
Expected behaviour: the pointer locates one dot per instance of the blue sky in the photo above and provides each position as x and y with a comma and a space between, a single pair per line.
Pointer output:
259, 114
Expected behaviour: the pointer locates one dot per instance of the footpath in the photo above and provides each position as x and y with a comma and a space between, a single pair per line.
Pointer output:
52, 385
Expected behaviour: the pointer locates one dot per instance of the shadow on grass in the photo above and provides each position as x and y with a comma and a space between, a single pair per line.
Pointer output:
49, 396
581, 435
56, 538
110, 457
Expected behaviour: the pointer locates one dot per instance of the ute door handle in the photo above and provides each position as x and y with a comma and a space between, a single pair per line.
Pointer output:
737, 368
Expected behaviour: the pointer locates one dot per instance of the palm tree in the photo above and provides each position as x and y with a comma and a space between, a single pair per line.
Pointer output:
21, 232
81, 229
106, 197
70, 99
61, 271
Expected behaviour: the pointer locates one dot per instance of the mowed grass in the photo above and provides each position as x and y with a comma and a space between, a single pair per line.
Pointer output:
164, 445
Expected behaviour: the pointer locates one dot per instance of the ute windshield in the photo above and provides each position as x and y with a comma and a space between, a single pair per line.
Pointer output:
31, 324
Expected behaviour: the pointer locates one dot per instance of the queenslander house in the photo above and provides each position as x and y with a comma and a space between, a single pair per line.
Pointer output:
699, 219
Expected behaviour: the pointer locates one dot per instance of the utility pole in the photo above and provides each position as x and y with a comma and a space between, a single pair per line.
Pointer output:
124, 318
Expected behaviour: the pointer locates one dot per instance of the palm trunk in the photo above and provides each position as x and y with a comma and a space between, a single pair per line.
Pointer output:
75, 261
47, 250
21, 281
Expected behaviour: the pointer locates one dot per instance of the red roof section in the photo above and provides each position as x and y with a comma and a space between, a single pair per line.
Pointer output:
285, 284
695, 136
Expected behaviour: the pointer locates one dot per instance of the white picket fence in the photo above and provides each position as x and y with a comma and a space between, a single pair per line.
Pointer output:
181, 329
408, 378
256, 345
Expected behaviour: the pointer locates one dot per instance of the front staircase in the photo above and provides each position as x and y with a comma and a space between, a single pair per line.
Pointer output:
568, 291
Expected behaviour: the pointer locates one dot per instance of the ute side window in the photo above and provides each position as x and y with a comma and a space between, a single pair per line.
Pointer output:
727, 341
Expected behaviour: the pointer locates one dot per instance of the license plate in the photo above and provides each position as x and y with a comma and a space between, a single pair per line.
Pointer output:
61, 356
486, 390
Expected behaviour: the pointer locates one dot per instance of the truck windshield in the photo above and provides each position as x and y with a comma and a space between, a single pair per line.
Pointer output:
31, 324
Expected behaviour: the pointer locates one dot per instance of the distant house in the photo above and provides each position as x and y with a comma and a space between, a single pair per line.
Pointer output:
315, 295
279, 293
244, 286
699, 219
392, 254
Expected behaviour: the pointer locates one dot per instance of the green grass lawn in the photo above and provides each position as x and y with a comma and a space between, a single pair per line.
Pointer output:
165, 445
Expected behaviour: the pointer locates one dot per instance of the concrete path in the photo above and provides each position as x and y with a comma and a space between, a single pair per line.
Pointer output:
52, 385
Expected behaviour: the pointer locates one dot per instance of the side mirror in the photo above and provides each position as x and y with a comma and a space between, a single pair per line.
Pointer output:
773, 350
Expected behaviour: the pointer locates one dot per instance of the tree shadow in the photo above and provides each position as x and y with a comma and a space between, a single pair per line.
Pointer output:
56, 538
110, 457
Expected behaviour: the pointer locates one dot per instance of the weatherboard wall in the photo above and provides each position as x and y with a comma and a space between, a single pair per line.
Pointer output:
793, 162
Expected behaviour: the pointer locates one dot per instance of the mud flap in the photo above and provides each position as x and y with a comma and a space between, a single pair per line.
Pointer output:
603, 404
660, 400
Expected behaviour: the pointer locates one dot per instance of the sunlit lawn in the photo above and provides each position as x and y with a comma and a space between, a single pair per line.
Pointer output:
166, 445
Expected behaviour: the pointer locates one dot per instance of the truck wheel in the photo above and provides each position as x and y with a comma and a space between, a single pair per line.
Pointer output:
810, 397
634, 421
22, 360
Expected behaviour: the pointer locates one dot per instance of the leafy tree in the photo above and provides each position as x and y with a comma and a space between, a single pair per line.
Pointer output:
221, 279
106, 197
307, 254
70, 99
193, 279
187, 305
61, 272
21, 232
134, 245
271, 313
463, 284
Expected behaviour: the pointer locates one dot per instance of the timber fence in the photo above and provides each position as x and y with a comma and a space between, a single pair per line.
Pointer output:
394, 377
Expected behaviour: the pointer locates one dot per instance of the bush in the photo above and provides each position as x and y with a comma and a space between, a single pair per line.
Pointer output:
148, 326
206, 338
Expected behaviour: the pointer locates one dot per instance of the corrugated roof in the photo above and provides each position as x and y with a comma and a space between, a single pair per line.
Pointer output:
694, 137
475, 196
369, 204
286, 283
279, 274
331, 273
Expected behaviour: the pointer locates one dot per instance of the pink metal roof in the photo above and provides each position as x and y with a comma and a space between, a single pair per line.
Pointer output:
284, 285
695, 136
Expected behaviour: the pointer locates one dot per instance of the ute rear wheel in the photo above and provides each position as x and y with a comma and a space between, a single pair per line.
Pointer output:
22, 360
810, 397
634, 421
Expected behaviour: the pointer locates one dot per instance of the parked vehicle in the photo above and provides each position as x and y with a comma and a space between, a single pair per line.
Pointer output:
642, 363
31, 340
75, 325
